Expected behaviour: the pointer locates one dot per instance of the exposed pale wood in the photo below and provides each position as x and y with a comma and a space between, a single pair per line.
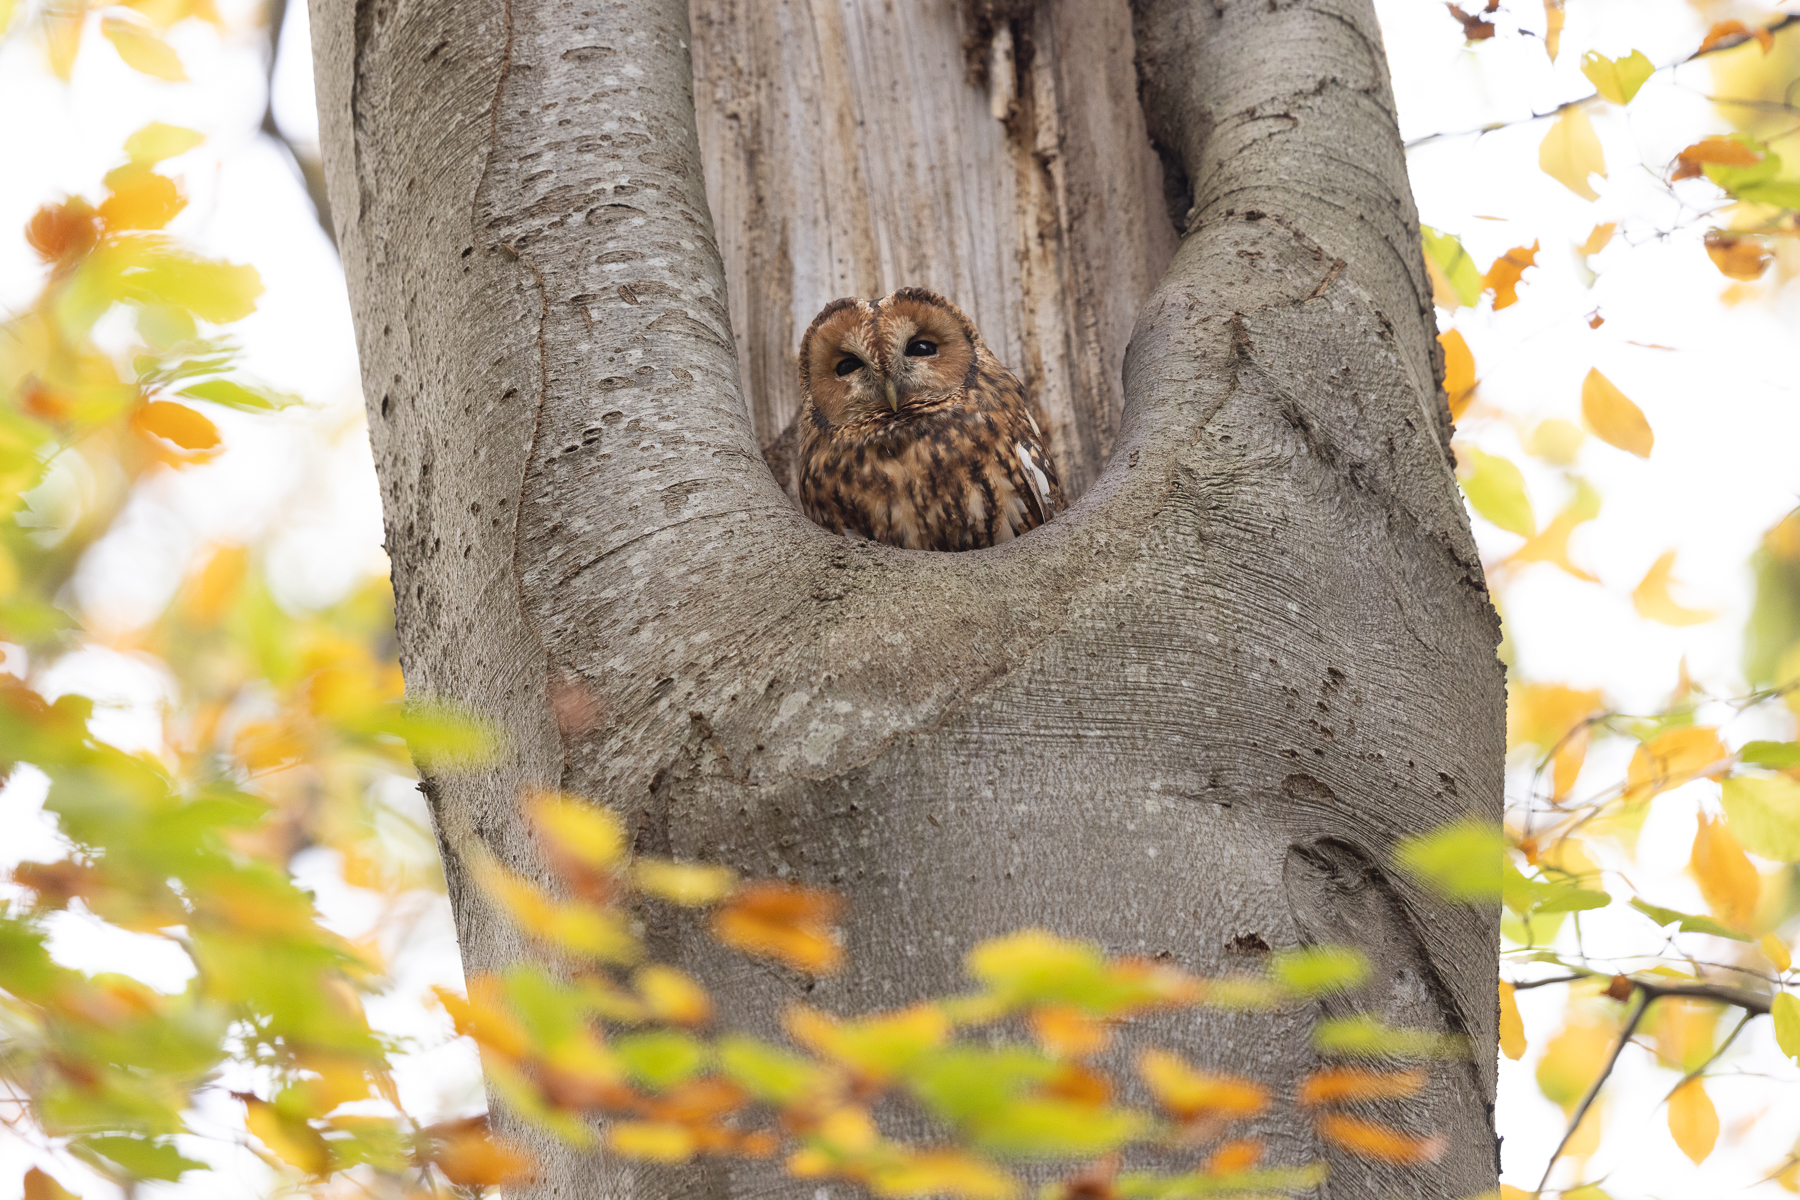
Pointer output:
851, 150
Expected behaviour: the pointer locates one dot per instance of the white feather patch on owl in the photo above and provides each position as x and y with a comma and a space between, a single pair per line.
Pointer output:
1040, 483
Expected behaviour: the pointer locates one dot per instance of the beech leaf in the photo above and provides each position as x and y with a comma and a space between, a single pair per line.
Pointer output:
1693, 1121
141, 48
1571, 152
1652, 600
1502, 279
1512, 1026
1614, 419
1617, 80
1496, 490
1764, 811
1786, 1011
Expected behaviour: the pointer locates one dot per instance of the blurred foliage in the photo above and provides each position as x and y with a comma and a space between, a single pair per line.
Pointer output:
1570, 845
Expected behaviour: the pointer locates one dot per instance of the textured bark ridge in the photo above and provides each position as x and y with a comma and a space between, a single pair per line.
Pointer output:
1190, 715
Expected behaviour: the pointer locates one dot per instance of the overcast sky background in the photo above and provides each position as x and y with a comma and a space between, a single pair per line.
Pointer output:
1722, 402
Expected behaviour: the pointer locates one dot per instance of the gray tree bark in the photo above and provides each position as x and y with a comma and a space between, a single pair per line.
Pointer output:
1190, 717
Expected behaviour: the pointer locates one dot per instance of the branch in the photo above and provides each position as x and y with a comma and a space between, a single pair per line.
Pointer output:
1728, 43
1587, 1101
311, 168
1752, 1004
1713, 1057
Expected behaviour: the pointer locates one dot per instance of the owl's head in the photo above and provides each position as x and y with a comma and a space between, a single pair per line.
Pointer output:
865, 360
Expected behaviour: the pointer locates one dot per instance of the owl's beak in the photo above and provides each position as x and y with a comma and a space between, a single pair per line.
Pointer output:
893, 396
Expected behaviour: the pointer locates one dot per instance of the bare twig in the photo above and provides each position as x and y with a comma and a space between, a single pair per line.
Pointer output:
1713, 1057
1728, 43
1587, 1101
312, 170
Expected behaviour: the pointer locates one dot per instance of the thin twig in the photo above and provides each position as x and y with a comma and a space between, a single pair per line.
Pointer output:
1713, 1057
1587, 1101
312, 171
1728, 43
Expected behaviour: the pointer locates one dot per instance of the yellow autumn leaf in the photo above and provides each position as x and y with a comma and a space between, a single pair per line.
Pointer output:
1614, 419
1574, 1058
573, 925
1233, 1157
1512, 1027
1652, 600
1553, 27
1597, 239
293, 1141
62, 26
471, 1157
1683, 1031
1068, 1032
690, 884
1551, 544
1556, 441
1740, 258
1541, 714
141, 48
1729, 883
1571, 152
577, 829
1672, 758
1617, 80
1459, 372
1502, 279
141, 199
781, 921
1693, 1121
653, 1141
672, 995
1777, 952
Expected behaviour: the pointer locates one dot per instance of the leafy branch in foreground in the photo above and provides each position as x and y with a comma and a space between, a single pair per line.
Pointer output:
609, 1033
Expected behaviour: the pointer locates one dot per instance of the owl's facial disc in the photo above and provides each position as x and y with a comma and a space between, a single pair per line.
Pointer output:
927, 348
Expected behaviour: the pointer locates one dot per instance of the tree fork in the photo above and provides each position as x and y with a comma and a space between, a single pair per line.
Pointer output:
1192, 714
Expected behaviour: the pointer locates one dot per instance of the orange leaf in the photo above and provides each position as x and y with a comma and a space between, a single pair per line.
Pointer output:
1693, 1121
1459, 372
1724, 30
142, 200
1612, 416
469, 1156
1553, 27
1338, 1084
1232, 1157
1652, 600
1671, 759
39, 1186
1512, 1028
1727, 880
655, 1141
781, 921
1474, 28
1742, 258
178, 423
1069, 1032
1726, 152
62, 232
1380, 1143
1189, 1093
1502, 279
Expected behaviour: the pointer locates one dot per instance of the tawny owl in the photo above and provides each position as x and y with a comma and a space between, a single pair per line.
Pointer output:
912, 433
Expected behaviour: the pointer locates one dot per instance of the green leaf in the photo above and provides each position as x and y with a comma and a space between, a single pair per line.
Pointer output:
1366, 1036
141, 1157
766, 1072
1780, 756
1734, 179
1039, 1128
233, 394
1496, 490
1462, 860
157, 141
1447, 252
1786, 1010
1316, 970
1565, 896
1687, 922
661, 1058
966, 1082
1764, 811
1617, 80
1782, 193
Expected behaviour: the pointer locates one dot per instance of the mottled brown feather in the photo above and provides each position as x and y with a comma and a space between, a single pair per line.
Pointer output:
960, 465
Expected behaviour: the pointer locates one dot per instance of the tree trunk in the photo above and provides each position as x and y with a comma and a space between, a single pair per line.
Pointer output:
1190, 717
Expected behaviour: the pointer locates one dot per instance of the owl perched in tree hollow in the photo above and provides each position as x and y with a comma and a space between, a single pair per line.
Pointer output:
912, 433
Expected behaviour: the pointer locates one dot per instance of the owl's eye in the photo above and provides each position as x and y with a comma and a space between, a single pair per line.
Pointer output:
920, 348
848, 364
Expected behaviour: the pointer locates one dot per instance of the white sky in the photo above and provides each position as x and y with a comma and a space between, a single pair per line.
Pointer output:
1722, 403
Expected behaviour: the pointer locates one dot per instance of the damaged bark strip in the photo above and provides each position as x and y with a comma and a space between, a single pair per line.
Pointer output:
1198, 708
